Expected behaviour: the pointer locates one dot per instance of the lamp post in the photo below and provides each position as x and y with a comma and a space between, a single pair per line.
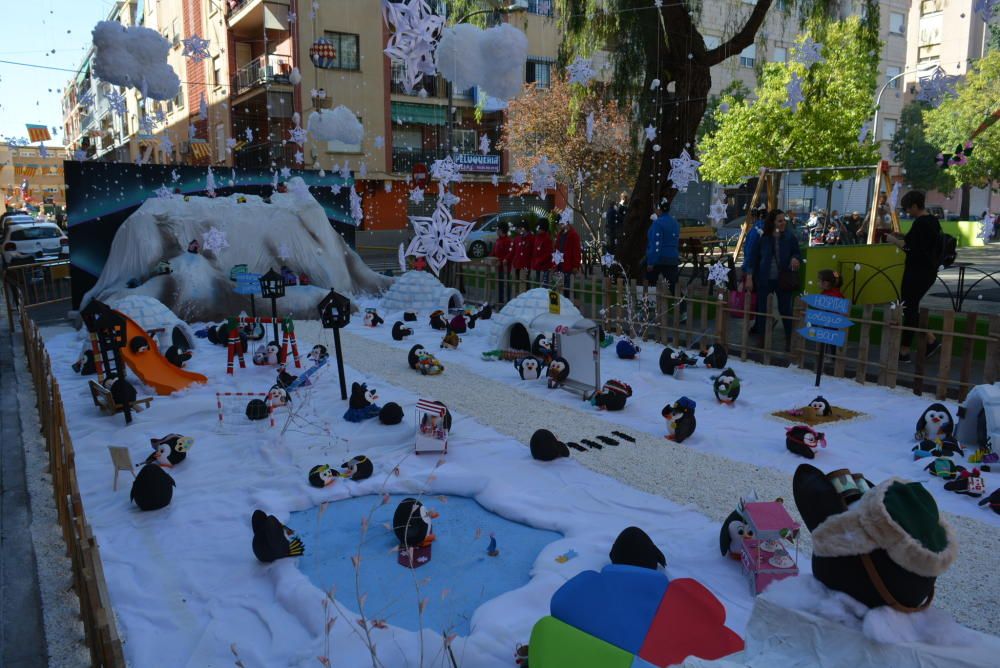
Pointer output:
272, 286
878, 98
334, 313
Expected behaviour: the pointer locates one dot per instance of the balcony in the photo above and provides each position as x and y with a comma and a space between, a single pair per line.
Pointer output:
434, 86
261, 71
249, 17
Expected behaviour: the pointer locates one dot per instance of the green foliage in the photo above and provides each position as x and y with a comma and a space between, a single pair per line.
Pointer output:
955, 120
915, 154
736, 92
823, 132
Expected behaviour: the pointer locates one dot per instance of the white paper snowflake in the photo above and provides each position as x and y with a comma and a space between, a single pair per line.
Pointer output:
167, 145
866, 127
650, 131
439, 238
195, 48
203, 109
192, 131
210, 182
299, 157
607, 259
164, 192
147, 125
363, 170
379, 141
566, 216
795, 96
284, 252
449, 198
543, 176
249, 135
414, 37
298, 135
292, 17
581, 71
446, 171
117, 102
484, 144
175, 176
936, 87
987, 9
717, 212
590, 127
230, 144
286, 173
683, 170
495, 180
357, 214
557, 258
809, 52
345, 171
417, 195
519, 177
214, 240
719, 274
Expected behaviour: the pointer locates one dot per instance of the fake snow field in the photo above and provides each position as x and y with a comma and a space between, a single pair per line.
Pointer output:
186, 587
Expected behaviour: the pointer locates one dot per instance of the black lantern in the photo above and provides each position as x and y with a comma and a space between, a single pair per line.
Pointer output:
272, 286
335, 312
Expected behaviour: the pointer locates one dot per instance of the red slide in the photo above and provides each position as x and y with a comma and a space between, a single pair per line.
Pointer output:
153, 368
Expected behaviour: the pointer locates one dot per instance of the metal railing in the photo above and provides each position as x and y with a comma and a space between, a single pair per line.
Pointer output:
404, 159
35, 284
260, 71
434, 87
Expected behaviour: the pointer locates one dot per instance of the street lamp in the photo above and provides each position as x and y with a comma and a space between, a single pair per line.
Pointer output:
927, 68
272, 286
334, 313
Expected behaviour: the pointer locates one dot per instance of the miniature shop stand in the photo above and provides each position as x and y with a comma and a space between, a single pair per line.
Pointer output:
433, 425
414, 557
765, 556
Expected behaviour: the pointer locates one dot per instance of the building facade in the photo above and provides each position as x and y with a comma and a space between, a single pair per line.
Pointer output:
30, 175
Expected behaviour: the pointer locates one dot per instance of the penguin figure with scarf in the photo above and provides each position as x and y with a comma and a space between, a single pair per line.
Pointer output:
612, 396
726, 387
170, 450
362, 404
680, 419
935, 423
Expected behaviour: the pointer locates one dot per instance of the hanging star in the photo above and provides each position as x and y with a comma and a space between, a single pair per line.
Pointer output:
417, 195
683, 170
147, 125
557, 258
117, 102
719, 274
650, 132
299, 135
936, 87
608, 259
448, 198
494, 179
249, 135
795, 96
590, 127
717, 212
446, 171
415, 32
543, 176
581, 71
519, 177
299, 158
195, 48
484, 144
214, 240
866, 127
809, 52
357, 214
286, 173
167, 145
566, 217
439, 238
379, 141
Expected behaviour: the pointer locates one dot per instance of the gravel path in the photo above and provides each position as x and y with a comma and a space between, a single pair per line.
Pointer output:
687, 476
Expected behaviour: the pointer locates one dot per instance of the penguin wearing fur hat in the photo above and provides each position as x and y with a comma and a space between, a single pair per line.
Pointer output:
557, 372
627, 348
372, 318
170, 450
322, 475
726, 387
438, 320
400, 331
528, 368
821, 407
803, 440
412, 524
680, 419
734, 530
272, 540
612, 396
357, 468
716, 356
935, 423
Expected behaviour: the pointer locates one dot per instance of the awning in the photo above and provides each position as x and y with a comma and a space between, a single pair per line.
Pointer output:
24, 170
421, 114
148, 139
200, 149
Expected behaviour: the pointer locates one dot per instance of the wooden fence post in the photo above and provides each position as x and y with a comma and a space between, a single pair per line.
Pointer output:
944, 354
864, 345
968, 351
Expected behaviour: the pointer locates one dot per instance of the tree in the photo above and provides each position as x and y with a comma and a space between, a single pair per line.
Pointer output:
719, 104
823, 131
958, 117
915, 154
552, 122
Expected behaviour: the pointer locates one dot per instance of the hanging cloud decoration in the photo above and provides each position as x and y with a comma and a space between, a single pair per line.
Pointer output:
492, 59
339, 124
135, 57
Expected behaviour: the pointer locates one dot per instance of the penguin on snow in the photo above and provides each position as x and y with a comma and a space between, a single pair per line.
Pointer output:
400, 331
177, 356
138, 344
935, 423
450, 340
459, 324
612, 396
528, 368
948, 446
391, 414
992, 501
541, 348
170, 450
485, 312
152, 489
272, 540
558, 372
726, 387
413, 357
409, 316
438, 320
322, 475
716, 356
734, 530
122, 392
626, 348
372, 318
671, 360
413, 524
634, 547
361, 405
545, 447
680, 419
821, 407
278, 396
803, 440
357, 468
85, 365
318, 355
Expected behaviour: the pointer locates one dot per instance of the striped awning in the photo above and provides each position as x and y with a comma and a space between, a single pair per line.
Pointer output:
25, 170
418, 114
148, 139
38, 132
429, 406
200, 149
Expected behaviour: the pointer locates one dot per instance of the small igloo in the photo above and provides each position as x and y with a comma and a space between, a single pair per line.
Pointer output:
420, 291
152, 314
526, 316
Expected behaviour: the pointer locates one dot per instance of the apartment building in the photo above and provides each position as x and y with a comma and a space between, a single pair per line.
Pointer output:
28, 177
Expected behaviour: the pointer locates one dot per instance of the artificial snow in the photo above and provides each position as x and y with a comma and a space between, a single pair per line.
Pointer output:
339, 124
491, 59
422, 292
530, 311
134, 57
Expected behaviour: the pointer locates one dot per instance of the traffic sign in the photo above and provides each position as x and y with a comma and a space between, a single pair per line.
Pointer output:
828, 303
827, 319
833, 337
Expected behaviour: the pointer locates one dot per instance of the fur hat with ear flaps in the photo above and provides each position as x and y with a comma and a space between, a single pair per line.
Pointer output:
887, 547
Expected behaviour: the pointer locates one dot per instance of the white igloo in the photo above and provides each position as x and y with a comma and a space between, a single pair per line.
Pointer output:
420, 291
526, 316
151, 314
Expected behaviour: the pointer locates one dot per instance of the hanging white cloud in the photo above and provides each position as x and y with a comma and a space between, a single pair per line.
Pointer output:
135, 57
339, 124
683, 170
492, 59
439, 238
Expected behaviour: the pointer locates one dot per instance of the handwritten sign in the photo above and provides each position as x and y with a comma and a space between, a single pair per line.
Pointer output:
833, 337
828, 303
827, 319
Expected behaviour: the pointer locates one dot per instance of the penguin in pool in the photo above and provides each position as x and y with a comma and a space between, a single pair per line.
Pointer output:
170, 450
372, 318
438, 320
935, 423
400, 331
716, 356
528, 368
734, 530
318, 355
272, 540
357, 468
803, 440
726, 387
680, 419
821, 407
412, 524
558, 372
627, 348
413, 357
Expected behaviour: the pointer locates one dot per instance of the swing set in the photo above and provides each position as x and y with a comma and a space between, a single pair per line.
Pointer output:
235, 349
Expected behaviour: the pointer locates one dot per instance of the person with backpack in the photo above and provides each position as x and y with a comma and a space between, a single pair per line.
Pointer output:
924, 246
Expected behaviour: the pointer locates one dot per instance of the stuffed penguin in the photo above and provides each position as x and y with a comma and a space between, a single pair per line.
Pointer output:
992, 501
318, 355
257, 409
485, 312
357, 468
138, 344
438, 320
803, 441
634, 547
716, 356
558, 372
177, 356
612, 396
372, 318
152, 489
122, 392
278, 396
726, 387
734, 530
821, 407
459, 324
170, 450
409, 316
361, 405
427, 364
414, 356
272, 540
528, 368
399, 331
85, 364
322, 475
673, 360
969, 483
946, 447
541, 348
267, 355
391, 414
680, 419
545, 446
626, 348
450, 340
412, 524
935, 423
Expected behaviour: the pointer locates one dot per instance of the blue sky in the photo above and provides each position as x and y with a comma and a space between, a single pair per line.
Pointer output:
33, 29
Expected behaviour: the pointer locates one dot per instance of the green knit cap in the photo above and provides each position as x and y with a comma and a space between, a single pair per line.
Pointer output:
913, 508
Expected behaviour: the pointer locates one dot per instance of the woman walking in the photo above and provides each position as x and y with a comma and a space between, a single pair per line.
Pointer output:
773, 266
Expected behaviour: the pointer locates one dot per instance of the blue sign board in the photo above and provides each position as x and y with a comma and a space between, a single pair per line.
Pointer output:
828, 303
833, 337
247, 284
827, 319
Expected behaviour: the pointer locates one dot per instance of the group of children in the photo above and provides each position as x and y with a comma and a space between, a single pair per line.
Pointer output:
527, 252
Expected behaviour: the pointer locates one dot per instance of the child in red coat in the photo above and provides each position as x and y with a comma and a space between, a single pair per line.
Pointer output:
830, 282
541, 252
503, 250
520, 257
568, 243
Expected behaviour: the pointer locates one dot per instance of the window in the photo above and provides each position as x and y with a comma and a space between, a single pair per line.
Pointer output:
897, 23
780, 54
217, 69
465, 141
889, 129
176, 31
407, 139
538, 72
748, 57
541, 7
220, 141
890, 72
345, 47
179, 100
931, 6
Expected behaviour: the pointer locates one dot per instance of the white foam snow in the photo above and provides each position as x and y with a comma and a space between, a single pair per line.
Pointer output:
135, 57
491, 59
339, 124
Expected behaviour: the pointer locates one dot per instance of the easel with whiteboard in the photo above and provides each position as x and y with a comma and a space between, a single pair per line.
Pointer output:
581, 349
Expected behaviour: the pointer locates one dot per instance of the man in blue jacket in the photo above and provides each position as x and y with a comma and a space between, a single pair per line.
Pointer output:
663, 249
753, 236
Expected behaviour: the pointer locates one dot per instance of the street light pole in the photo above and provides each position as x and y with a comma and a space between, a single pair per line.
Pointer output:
878, 98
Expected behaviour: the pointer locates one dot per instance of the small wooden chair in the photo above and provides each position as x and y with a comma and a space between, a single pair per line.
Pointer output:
103, 400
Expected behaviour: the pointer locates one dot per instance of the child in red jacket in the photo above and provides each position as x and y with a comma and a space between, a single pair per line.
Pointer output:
568, 243
830, 282
503, 249
541, 252
521, 254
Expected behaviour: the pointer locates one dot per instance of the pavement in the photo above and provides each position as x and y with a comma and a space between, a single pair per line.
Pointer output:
982, 293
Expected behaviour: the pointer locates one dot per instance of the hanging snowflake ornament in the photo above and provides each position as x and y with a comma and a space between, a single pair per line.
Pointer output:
210, 182
167, 145
292, 17
683, 170
249, 135
417, 195
566, 216
590, 127
214, 240
298, 135
484, 144
415, 29
557, 258
581, 71
795, 97
936, 87
650, 131
519, 177
446, 171
719, 274
286, 173
448, 198
379, 141
195, 48
42, 151
164, 192
717, 212
866, 128
608, 260
299, 157
543, 176
284, 252
117, 103
357, 214
203, 109
147, 125
439, 238
230, 144
809, 52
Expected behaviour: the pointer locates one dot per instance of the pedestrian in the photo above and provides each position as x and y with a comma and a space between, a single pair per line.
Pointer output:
663, 251
753, 236
503, 249
541, 252
883, 220
922, 246
853, 226
615, 222
520, 258
774, 267
830, 282
568, 244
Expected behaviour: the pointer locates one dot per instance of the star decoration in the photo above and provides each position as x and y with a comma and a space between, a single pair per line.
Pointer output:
214, 240
230, 144
866, 127
286, 172
147, 124
936, 87
650, 132
683, 170
717, 212
356, 212
795, 96
249, 135
557, 258
439, 238
117, 102
494, 179
379, 141
414, 37
809, 52
484, 144
519, 177
543, 176
607, 259
164, 192
195, 48
417, 195
298, 135
449, 199
581, 71
299, 158
566, 217
345, 171
590, 127
719, 274
446, 171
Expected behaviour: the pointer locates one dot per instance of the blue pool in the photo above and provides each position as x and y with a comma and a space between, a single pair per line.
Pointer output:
458, 579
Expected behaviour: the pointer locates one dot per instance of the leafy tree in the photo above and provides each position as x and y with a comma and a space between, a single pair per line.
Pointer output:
735, 91
822, 132
915, 154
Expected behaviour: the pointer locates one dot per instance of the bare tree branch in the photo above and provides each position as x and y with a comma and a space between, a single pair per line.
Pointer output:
742, 39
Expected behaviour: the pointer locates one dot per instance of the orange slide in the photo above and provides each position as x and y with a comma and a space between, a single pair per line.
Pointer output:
152, 367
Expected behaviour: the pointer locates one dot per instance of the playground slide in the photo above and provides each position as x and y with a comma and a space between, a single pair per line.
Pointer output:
152, 367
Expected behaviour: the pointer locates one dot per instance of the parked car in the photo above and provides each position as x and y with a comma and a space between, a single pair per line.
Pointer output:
480, 241
19, 218
33, 242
